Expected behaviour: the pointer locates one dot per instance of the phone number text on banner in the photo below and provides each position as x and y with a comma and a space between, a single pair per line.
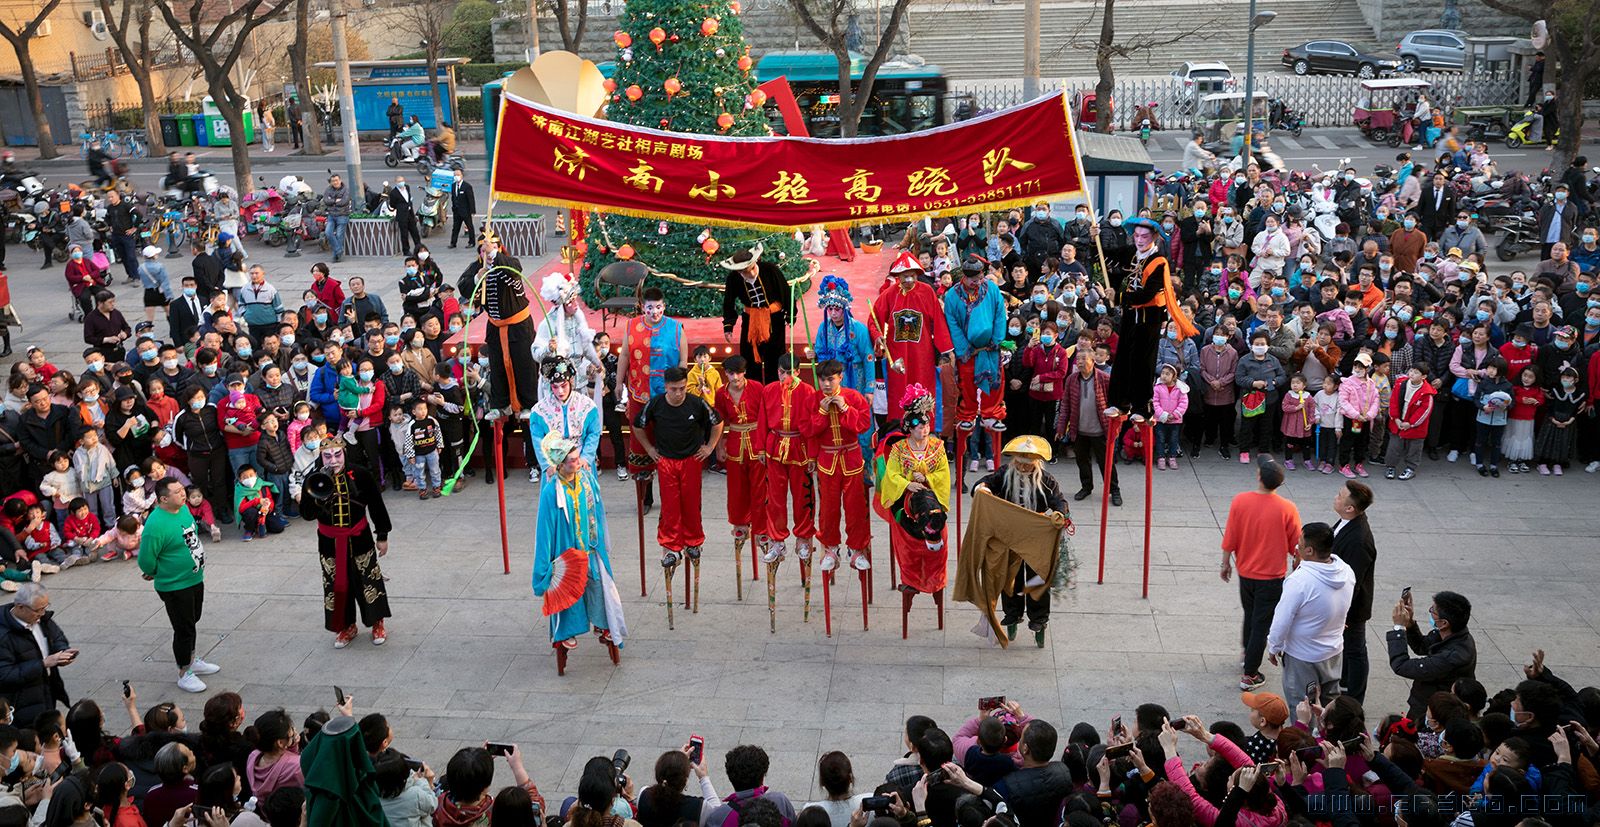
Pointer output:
1001, 160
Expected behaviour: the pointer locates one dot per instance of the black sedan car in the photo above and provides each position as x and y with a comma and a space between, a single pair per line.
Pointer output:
1337, 56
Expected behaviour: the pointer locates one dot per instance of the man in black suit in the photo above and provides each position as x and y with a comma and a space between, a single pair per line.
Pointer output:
405, 217
463, 204
1436, 208
207, 269
185, 311
1353, 543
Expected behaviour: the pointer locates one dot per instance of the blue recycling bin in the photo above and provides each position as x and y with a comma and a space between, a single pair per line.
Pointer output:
202, 137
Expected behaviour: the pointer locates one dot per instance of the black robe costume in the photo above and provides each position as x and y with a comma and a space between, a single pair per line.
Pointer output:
513, 373
346, 522
1133, 369
738, 296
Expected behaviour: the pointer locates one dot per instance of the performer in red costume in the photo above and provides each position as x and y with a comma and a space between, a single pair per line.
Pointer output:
785, 405
908, 327
743, 453
835, 426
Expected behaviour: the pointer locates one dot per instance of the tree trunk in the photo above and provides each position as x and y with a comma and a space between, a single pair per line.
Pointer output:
298, 60
239, 148
1103, 115
850, 108
433, 83
152, 119
30, 81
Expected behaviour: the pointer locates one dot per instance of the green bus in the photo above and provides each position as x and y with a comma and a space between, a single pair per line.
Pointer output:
905, 97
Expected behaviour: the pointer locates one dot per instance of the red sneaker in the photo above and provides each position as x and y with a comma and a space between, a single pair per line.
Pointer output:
379, 636
343, 639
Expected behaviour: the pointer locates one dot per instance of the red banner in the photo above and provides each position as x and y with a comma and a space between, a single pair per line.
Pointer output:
1005, 159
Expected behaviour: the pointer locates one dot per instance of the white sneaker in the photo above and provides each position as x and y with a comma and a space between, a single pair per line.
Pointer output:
991, 464
1472, 458
200, 667
1592, 467
1452, 456
802, 549
772, 553
859, 561
973, 466
190, 683
622, 472
533, 474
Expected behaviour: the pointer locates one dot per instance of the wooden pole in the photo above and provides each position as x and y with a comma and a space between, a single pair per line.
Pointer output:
1088, 200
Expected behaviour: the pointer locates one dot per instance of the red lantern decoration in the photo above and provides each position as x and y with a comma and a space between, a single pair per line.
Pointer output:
673, 38
710, 246
634, 93
622, 38
625, 252
758, 98
609, 85
658, 35
745, 63
709, 26
724, 121
672, 85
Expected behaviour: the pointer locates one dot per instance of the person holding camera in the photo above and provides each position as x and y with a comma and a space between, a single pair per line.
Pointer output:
341, 499
464, 790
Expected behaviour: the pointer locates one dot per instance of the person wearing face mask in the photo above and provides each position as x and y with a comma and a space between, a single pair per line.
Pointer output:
1260, 379
419, 289
1271, 247
1041, 236
198, 432
1558, 221
1407, 243
1446, 654
513, 372
352, 522
1114, 241
1463, 234
417, 358
1229, 236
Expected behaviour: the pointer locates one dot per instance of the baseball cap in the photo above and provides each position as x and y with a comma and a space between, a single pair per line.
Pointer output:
1363, 359
1271, 706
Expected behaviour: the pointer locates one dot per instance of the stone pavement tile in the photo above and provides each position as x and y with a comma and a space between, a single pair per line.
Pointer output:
443, 664
223, 611
867, 681
966, 684
1563, 646
533, 669
259, 657
1095, 632
360, 664
410, 698
302, 700
1218, 693
286, 614
861, 711
775, 680
248, 577
1098, 688
494, 618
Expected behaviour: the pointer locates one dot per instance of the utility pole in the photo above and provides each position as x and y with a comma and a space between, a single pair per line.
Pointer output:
533, 28
347, 99
1030, 50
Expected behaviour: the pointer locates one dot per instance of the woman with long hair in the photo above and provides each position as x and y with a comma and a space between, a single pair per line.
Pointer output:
114, 796
664, 804
221, 787
220, 738
275, 762
599, 798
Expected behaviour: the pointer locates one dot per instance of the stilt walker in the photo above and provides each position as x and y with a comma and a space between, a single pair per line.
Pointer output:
654, 342
678, 431
909, 329
503, 296
1148, 300
914, 495
572, 561
1023, 481
975, 312
785, 405
756, 290
834, 428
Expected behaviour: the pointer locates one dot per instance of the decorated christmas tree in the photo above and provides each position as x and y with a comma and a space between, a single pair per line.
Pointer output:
683, 66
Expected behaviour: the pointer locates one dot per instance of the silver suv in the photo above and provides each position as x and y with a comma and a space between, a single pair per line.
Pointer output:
1433, 49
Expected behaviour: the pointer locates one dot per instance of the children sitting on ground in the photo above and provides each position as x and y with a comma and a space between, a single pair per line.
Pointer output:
201, 511
41, 540
81, 531
137, 497
122, 540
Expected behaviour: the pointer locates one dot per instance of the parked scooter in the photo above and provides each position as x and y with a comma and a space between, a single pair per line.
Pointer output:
431, 212
1521, 235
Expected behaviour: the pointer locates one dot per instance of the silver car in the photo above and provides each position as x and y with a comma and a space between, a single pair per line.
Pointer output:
1433, 49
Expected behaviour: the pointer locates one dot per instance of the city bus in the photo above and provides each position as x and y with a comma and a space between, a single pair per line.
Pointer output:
905, 97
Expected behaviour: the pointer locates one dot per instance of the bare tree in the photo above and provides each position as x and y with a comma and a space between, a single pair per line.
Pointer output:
570, 22
829, 22
216, 41
300, 70
140, 58
1575, 42
21, 40
431, 21
1106, 48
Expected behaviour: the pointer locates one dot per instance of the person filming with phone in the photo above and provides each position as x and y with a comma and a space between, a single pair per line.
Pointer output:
32, 652
1448, 652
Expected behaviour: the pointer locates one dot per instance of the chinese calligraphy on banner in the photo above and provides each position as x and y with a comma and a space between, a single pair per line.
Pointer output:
1009, 158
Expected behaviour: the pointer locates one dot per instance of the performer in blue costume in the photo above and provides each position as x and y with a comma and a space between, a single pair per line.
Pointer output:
564, 412
842, 338
976, 314
572, 518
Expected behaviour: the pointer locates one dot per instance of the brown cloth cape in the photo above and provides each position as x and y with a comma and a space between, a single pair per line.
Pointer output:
1000, 537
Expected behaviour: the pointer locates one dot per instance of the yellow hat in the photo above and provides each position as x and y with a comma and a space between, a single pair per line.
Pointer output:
1036, 447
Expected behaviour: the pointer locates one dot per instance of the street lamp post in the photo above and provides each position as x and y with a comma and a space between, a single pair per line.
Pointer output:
1257, 20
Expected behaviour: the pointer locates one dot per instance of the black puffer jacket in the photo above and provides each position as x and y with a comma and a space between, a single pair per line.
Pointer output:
24, 680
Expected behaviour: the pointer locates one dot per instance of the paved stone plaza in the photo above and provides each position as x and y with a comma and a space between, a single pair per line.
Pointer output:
468, 657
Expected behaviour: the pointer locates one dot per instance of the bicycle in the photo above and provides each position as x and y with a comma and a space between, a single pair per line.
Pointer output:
131, 144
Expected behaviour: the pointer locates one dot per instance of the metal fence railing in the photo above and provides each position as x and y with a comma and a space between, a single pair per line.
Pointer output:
1326, 100
131, 116
109, 63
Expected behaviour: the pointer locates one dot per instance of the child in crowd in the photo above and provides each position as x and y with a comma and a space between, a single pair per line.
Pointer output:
201, 511
81, 532
1298, 424
302, 418
1268, 713
137, 496
704, 380
40, 362
1493, 400
1358, 402
275, 460
348, 396
90, 410
1380, 424
122, 540
1554, 445
41, 539
97, 470
1526, 400
449, 398
255, 502
1330, 423
1170, 401
611, 409
426, 439
60, 484
400, 435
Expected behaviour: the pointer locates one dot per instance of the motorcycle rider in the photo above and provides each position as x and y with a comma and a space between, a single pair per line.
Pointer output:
1196, 156
411, 139
443, 143
176, 171
99, 163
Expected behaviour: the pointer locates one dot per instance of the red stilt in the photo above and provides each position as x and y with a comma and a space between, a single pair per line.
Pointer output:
1113, 431
905, 613
938, 604
561, 658
827, 603
639, 486
500, 489
1149, 483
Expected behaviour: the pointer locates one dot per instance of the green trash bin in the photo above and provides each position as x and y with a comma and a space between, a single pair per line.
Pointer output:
201, 137
169, 130
185, 125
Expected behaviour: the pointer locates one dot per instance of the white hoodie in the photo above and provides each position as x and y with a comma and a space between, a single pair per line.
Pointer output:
1309, 621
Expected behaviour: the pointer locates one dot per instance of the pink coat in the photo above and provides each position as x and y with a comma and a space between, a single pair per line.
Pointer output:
1205, 813
1169, 400
1358, 398
1299, 415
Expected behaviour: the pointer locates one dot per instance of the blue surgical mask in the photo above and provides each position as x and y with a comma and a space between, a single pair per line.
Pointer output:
366, 376
1464, 341
312, 445
1069, 297
1100, 309
1014, 331
1561, 196
1037, 299
318, 358
77, 255
392, 339
411, 271
16, 761
1582, 288
322, 318
455, 328
1063, 320
1390, 334
188, 292
286, 339
96, 367
197, 404
1483, 315
1429, 255
1047, 340
169, 364
1234, 292
1562, 344
210, 370
1278, 291
149, 356
244, 352
1173, 335
1429, 314
1411, 223
1219, 340
396, 368
1461, 223
1227, 219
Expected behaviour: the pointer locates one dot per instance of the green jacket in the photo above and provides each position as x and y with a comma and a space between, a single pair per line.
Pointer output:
170, 550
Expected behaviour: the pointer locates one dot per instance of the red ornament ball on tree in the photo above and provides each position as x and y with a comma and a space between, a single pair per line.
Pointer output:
710, 246
745, 63
673, 38
634, 93
657, 36
725, 121
610, 86
733, 6
623, 39
666, 122
672, 85
625, 252
758, 97
709, 26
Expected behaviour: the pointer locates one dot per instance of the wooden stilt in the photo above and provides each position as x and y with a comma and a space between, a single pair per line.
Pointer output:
561, 659
738, 565
827, 603
688, 583
905, 612
805, 587
669, 571
938, 605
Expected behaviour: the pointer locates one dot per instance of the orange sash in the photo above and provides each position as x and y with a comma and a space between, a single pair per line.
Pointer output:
758, 326
1168, 299
505, 351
